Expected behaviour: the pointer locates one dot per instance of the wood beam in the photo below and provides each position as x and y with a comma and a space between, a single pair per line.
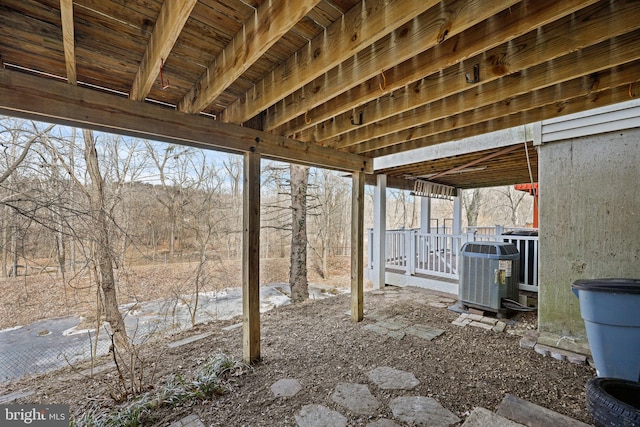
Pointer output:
272, 20
519, 118
501, 63
578, 73
360, 27
425, 31
251, 259
422, 33
68, 40
516, 21
483, 159
357, 246
173, 15
395, 182
28, 96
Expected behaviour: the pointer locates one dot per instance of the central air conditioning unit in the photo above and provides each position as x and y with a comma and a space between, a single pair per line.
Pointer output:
489, 273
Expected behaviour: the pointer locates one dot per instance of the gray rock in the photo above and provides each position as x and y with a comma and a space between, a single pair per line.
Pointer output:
286, 387
529, 339
190, 421
531, 414
318, 415
422, 411
394, 324
355, 397
383, 422
392, 379
425, 332
373, 327
396, 334
481, 417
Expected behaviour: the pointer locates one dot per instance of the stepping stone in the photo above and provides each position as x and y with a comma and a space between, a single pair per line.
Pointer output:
190, 421
396, 334
481, 417
529, 339
500, 326
383, 422
532, 415
318, 415
481, 325
188, 340
422, 411
373, 327
355, 397
489, 321
286, 387
393, 324
392, 379
424, 332
376, 316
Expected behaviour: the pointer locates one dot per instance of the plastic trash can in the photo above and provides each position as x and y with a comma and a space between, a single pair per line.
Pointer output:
610, 308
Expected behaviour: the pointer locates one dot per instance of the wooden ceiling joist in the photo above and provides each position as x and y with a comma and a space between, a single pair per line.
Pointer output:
33, 97
360, 27
472, 163
577, 74
518, 118
425, 31
68, 40
503, 61
271, 21
173, 15
515, 21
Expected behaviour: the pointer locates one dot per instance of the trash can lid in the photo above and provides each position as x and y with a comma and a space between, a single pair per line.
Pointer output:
628, 286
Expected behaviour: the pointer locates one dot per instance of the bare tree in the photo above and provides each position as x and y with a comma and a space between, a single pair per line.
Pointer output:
16, 140
233, 167
510, 200
102, 247
173, 164
328, 195
298, 268
472, 201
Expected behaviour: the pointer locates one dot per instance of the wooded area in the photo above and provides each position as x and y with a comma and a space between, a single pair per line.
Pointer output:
168, 203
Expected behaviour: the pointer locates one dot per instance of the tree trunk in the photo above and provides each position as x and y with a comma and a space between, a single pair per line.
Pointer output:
473, 207
298, 269
103, 253
4, 247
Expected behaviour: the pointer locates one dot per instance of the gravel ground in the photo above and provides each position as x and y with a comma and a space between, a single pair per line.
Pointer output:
317, 343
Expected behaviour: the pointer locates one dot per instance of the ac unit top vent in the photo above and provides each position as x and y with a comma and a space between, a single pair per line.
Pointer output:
490, 248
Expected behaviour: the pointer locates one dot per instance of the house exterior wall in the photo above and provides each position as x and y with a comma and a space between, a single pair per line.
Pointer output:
589, 222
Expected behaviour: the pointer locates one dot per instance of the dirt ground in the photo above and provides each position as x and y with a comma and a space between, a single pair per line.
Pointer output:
25, 299
317, 343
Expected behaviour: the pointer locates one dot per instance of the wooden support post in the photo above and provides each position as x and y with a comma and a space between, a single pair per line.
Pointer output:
251, 258
357, 253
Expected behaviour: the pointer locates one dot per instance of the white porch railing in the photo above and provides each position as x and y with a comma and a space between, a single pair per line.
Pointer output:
437, 254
